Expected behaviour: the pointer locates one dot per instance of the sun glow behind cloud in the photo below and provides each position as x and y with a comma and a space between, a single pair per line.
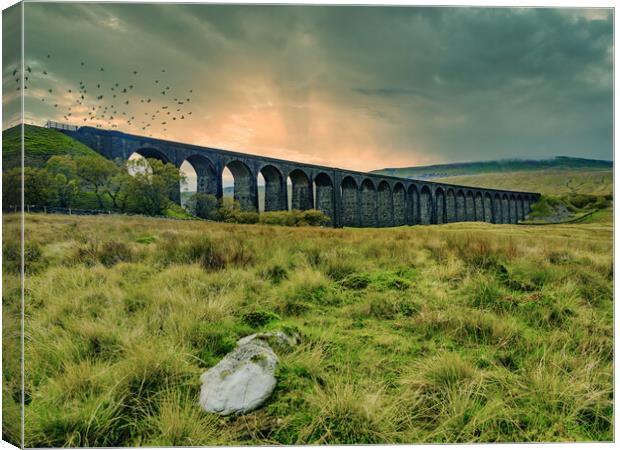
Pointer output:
357, 88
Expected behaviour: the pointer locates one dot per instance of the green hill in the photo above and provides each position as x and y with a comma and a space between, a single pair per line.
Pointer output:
41, 144
505, 165
545, 181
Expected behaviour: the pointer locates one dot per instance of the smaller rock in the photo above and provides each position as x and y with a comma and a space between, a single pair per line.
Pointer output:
244, 378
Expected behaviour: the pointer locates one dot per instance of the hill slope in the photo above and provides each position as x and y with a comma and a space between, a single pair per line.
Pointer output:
504, 165
546, 181
41, 144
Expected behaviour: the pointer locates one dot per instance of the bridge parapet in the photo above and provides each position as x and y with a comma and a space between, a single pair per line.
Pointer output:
348, 197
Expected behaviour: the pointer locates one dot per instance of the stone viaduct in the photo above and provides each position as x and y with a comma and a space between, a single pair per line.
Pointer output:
349, 198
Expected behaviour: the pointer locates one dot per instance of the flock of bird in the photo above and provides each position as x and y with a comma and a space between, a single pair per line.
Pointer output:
108, 104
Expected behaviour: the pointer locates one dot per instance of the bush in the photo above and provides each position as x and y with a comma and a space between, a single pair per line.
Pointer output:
259, 318
212, 255
174, 211
294, 218
107, 253
112, 252
275, 273
204, 206
11, 254
356, 281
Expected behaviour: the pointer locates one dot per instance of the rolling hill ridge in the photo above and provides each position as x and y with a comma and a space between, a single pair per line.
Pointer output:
502, 165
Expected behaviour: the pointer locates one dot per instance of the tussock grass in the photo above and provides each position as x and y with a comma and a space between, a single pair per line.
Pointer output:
455, 333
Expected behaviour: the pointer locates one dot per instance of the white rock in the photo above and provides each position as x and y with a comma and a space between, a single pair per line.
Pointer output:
244, 378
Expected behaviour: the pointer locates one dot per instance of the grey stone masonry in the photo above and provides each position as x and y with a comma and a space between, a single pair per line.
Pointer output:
348, 198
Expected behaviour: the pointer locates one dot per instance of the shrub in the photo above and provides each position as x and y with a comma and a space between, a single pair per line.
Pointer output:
581, 200
107, 253
275, 273
246, 217
388, 281
379, 280
204, 206
384, 306
112, 252
356, 281
294, 218
174, 211
11, 254
211, 254
259, 318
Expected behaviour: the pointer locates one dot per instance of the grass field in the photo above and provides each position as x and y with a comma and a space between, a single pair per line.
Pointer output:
454, 333
552, 181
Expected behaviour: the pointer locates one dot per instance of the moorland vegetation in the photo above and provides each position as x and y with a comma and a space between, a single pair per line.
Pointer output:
464, 332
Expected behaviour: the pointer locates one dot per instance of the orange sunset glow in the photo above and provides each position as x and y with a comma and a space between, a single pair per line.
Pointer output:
354, 88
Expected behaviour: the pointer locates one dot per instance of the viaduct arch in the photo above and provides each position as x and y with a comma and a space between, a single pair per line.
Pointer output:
348, 198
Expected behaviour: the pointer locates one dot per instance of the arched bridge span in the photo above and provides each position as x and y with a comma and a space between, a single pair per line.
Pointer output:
349, 198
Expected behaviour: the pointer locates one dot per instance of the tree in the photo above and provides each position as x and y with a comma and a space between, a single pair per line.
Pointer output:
66, 190
169, 174
96, 173
152, 185
204, 205
62, 164
39, 187
12, 188
118, 187
66, 181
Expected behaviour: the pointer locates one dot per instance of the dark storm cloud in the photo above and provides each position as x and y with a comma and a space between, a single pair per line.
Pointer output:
382, 85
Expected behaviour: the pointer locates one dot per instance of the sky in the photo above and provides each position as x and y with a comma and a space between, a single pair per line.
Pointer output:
359, 88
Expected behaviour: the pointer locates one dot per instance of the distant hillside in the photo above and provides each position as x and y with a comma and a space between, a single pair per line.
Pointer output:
545, 181
506, 165
41, 144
